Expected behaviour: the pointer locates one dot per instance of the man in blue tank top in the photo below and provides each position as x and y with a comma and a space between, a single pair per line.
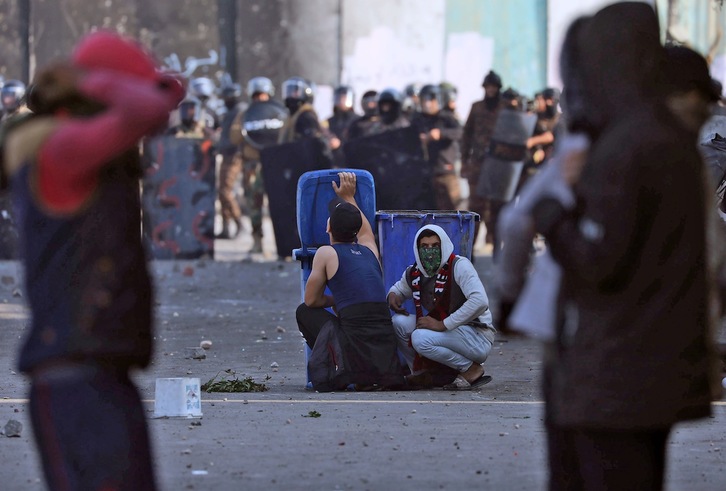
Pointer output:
358, 346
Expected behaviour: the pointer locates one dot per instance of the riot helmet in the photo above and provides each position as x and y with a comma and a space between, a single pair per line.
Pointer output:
260, 85
232, 91
202, 88
449, 93
12, 94
430, 92
230, 95
296, 91
411, 100
343, 97
369, 102
390, 102
189, 111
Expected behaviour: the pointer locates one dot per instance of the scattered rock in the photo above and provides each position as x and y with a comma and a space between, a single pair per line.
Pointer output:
195, 353
188, 271
13, 428
280, 329
17, 293
7, 280
274, 364
205, 344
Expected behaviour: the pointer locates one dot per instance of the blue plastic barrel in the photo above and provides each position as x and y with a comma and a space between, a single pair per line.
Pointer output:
397, 230
314, 192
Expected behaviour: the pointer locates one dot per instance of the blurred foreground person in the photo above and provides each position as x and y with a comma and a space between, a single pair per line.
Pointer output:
74, 171
632, 355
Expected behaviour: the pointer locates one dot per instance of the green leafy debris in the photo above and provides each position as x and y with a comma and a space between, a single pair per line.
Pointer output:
312, 414
231, 383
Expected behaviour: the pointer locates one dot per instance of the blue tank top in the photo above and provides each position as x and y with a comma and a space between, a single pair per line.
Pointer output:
86, 277
358, 279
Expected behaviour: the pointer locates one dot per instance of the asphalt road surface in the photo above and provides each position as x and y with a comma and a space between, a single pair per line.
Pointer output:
291, 438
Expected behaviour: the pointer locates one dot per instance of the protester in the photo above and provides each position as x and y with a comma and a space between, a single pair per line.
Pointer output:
632, 355
453, 325
74, 169
350, 268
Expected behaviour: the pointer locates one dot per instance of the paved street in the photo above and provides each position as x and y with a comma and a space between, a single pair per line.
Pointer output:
490, 439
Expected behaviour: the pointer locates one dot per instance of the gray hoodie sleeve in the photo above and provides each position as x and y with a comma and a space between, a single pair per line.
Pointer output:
476, 305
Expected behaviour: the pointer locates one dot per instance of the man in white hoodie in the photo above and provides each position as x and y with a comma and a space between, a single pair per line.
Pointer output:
452, 330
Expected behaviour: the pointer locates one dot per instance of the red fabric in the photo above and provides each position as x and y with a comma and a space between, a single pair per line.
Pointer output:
442, 298
124, 77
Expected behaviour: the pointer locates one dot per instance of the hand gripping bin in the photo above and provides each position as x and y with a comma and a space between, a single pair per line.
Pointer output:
314, 192
397, 230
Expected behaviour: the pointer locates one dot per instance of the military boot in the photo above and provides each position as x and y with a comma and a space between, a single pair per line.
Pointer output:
256, 242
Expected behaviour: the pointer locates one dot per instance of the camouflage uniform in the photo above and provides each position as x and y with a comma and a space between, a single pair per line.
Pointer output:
229, 173
252, 183
474, 145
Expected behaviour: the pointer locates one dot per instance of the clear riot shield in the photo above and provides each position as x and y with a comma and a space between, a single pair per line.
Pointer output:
178, 197
507, 151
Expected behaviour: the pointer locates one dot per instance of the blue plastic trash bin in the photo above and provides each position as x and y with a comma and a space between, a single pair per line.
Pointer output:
314, 192
397, 230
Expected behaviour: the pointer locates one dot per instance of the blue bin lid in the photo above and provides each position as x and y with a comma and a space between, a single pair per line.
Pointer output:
314, 192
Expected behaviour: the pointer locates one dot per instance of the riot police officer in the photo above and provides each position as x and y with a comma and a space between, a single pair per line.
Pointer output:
203, 89
390, 112
411, 103
12, 94
231, 166
361, 125
337, 124
263, 115
190, 123
440, 132
474, 145
449, 94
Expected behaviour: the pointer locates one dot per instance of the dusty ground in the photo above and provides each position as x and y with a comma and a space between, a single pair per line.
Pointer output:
492, 439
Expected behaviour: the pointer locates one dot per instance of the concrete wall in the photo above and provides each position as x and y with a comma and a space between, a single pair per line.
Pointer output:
391, 43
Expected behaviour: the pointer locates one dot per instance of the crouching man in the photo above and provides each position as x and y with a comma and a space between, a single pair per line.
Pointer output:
358, 346
453, 325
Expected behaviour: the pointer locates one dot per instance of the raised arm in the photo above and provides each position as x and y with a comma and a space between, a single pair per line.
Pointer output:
346, 191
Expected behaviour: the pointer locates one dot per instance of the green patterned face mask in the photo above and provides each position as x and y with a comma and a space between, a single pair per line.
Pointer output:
430, 259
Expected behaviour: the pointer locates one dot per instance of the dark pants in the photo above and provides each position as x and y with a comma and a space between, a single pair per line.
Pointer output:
90, 429
310, 321
606, 460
